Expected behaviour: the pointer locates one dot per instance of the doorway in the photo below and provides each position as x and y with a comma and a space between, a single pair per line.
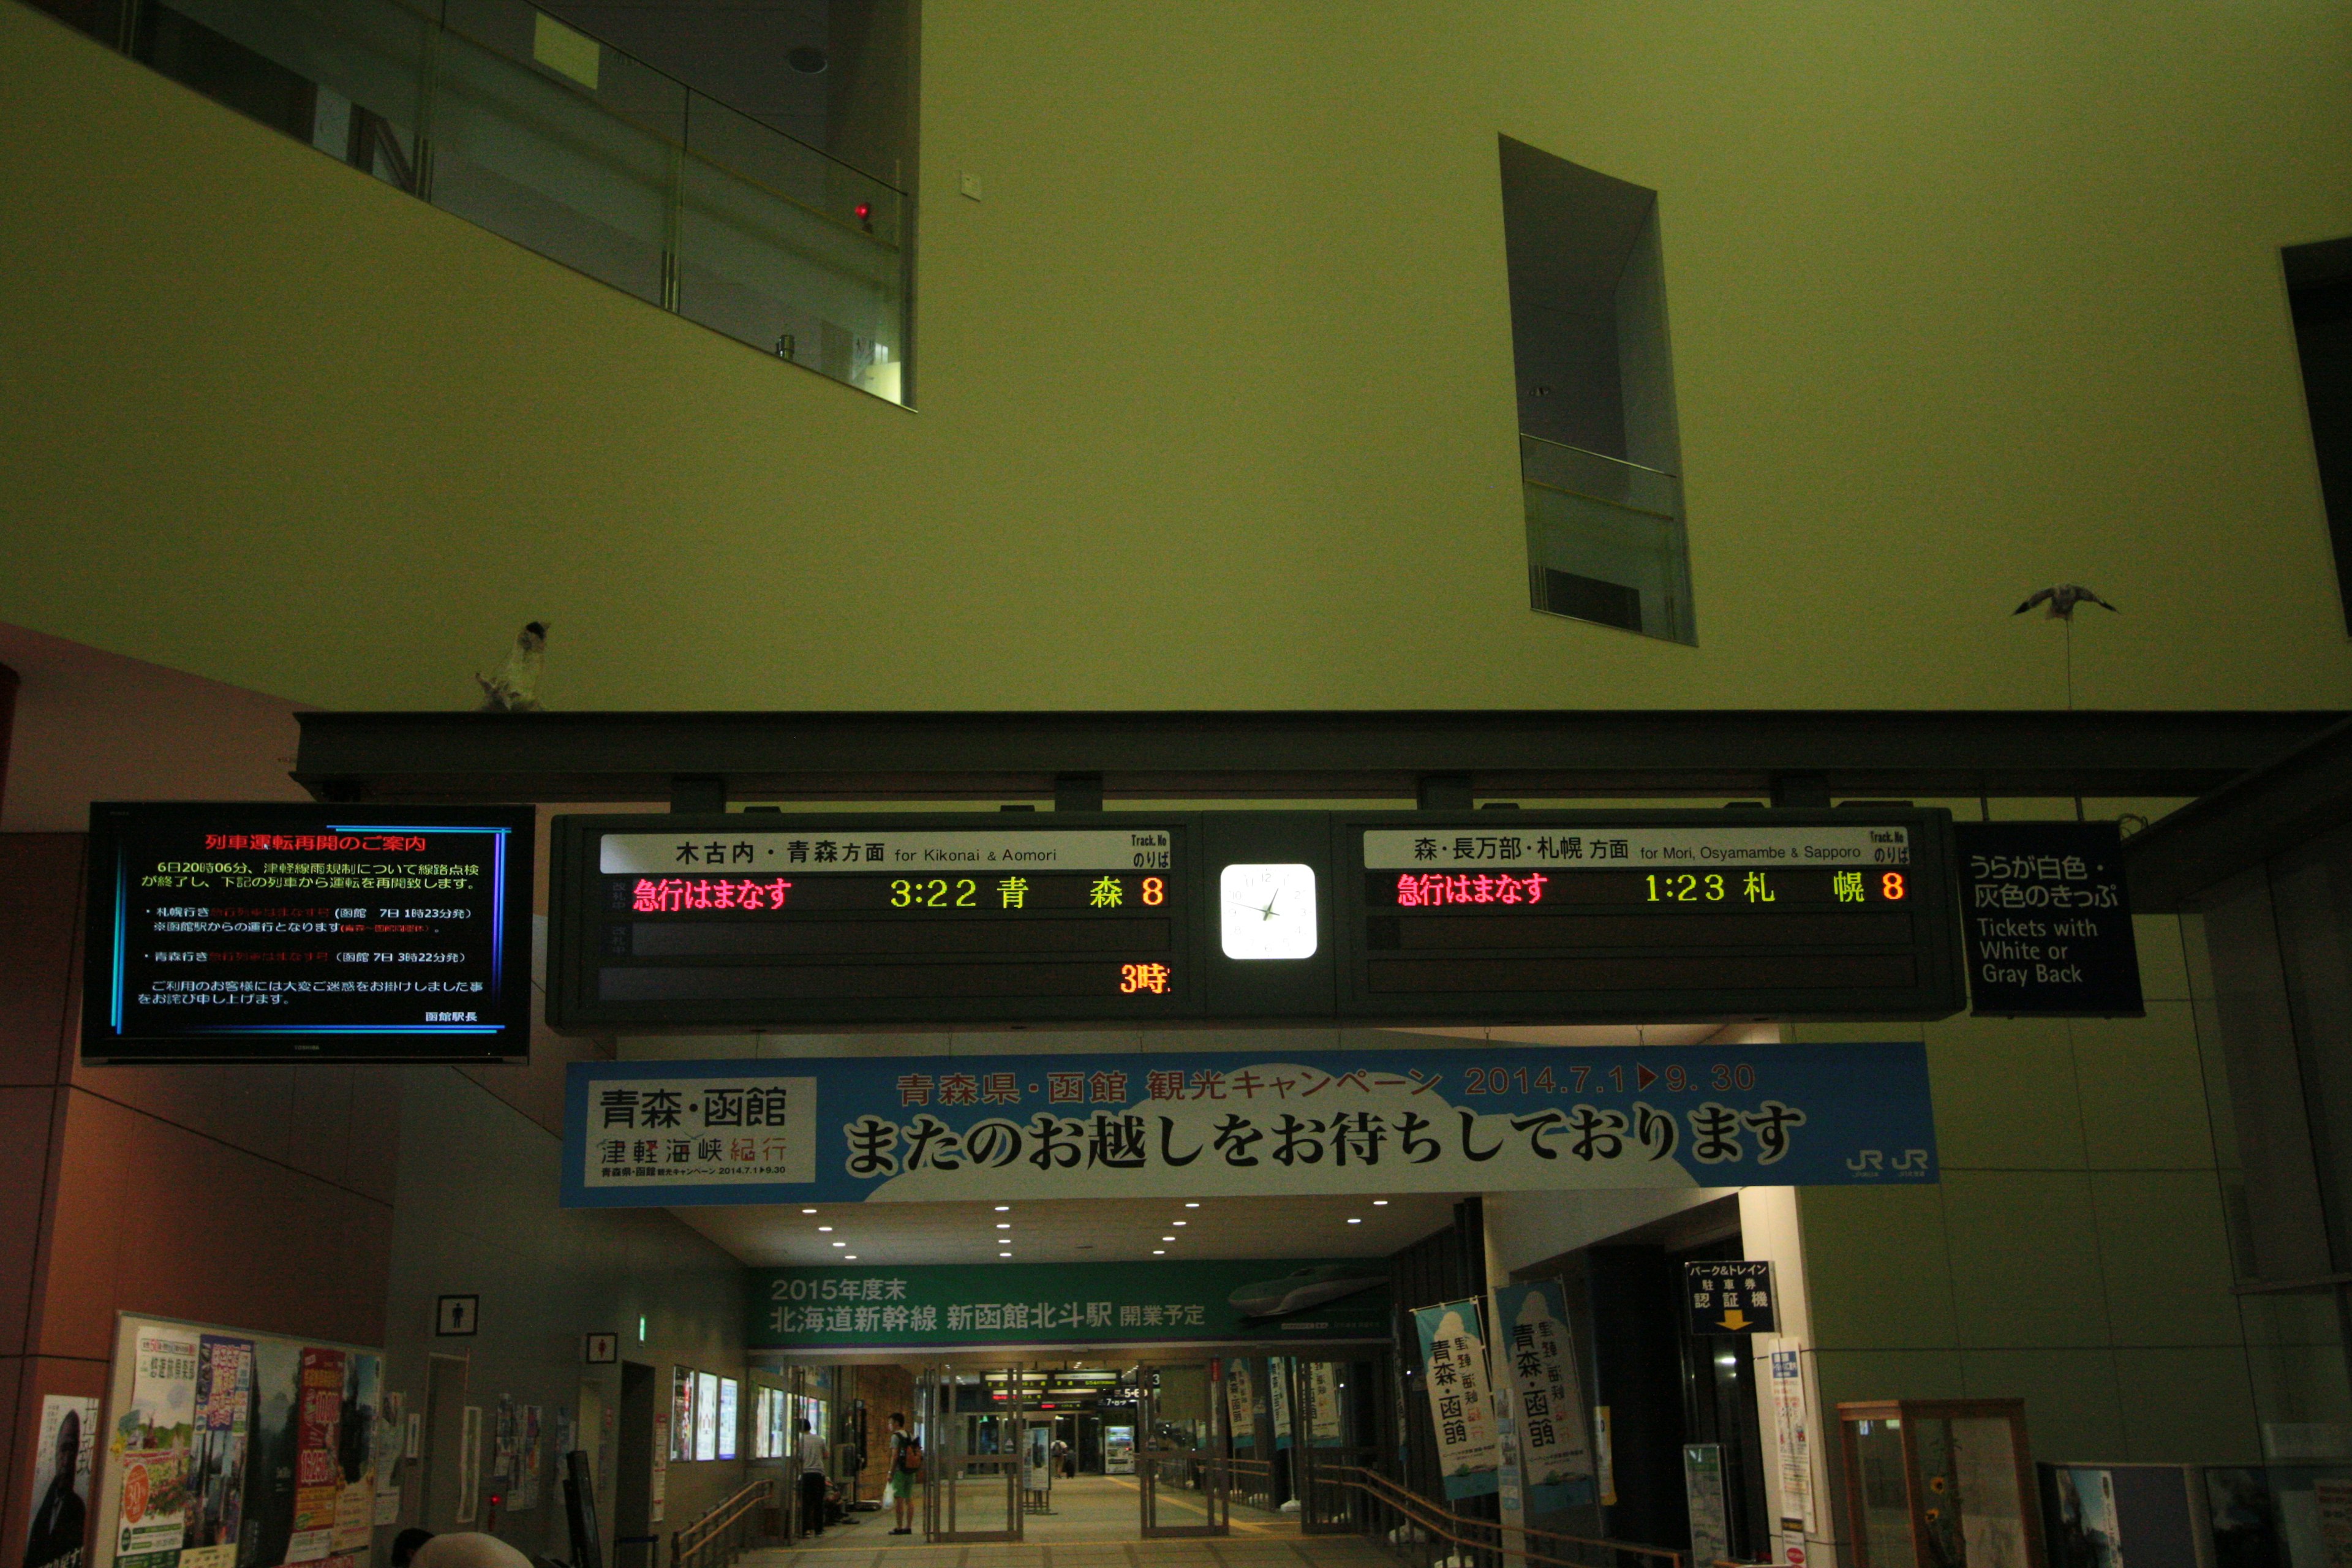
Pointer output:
970, 1426
1180, 1458
633, 1482
445, 1492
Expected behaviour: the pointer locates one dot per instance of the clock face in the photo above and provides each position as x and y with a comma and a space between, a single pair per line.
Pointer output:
1267, 912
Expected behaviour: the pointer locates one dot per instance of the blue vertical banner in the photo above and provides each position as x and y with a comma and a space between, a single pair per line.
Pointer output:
1461, 1400
1538, 1364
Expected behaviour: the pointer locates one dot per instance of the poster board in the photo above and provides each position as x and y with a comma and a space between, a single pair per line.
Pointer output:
227, 1448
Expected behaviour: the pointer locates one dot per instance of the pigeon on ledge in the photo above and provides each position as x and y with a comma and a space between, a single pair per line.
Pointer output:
516, 687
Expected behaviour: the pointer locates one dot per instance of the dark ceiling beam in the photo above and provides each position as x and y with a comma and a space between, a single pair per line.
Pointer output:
1301, 755
2236, 826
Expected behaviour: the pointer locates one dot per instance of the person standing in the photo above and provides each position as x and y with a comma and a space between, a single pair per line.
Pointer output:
906, 1471
810, 1450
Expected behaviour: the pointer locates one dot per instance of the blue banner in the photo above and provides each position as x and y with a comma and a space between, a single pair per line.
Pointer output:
1242, 1123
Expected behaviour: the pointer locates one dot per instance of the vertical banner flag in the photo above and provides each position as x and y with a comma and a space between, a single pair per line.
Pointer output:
1242, 1400
1277, 1380
1792, 1437
1540, 1356
318, 1473
1453, 1346
1323, 1403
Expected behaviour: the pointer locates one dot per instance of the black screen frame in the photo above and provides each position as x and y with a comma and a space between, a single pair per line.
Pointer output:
509, 1008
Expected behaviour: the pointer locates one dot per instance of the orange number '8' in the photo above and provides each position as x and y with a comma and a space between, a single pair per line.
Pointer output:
1891, 884
1155, 891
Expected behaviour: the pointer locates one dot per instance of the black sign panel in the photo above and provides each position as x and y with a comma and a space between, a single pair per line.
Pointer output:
1730, 1297
1562, 916
758, 919
762, 920
260, 932
2048, 920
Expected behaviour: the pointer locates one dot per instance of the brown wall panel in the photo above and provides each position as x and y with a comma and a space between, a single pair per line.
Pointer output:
26, 1115
247, 1106
41, 912
151, 1217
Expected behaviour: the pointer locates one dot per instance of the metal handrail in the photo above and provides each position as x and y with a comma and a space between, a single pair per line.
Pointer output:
685, 1552
1484, 1540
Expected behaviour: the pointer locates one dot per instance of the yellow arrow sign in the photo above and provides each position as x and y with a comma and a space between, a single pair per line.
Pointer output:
1735, 1319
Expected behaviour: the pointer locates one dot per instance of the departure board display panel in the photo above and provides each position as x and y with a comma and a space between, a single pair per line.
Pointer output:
1550, 917
759, 919
246, 932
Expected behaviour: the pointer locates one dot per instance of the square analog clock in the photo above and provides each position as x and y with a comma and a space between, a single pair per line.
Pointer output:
1267, 912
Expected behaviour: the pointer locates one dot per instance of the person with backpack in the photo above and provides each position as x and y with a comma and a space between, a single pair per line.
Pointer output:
906, 1472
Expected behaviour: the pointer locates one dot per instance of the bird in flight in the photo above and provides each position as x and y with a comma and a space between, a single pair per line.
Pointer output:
2063, 600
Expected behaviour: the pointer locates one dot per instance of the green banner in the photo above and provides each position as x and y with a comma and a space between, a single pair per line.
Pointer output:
1218, 1301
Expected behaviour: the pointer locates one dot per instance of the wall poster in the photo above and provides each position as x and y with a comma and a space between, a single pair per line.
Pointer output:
1792, 1435
61, 1510
238, 1450
1461, 1408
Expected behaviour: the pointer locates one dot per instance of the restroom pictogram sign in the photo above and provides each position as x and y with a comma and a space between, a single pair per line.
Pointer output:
1731, 1298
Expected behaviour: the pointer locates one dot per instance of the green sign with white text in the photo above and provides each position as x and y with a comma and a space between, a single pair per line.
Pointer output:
1219, 1301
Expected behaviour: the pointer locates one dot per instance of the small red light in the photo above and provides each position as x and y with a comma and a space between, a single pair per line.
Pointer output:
864, 210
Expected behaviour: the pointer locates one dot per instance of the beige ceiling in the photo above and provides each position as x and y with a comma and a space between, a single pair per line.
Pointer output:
1073, 1230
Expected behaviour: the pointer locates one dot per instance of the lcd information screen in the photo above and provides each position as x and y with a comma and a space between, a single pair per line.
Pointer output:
753, 920
1615, 916
228, 933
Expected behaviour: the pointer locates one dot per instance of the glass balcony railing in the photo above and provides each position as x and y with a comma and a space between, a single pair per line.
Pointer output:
495, 112
1605, 541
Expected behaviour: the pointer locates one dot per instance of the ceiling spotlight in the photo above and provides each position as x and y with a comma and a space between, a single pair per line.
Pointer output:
1192, 1205
1380, 1203
840, 1243
824, 1228
1166, 1238
808, 1211
1158, 1251
1180, 1222
1354, 1221
849, 1257
1004, 1208
1005, 1225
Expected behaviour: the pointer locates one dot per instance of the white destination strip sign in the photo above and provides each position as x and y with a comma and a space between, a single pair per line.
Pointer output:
813, 851
1601, 848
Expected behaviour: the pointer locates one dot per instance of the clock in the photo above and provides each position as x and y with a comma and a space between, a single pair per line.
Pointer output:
1267, 912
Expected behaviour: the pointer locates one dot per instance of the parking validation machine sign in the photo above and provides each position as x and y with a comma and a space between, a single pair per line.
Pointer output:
1730, 1297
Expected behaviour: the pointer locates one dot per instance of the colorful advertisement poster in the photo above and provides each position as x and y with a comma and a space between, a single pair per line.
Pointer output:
706, 1415
153, 1440
1462, 1410
318, 1470
681, 1414
357, 1418
1200, 1124
1539, 1355
224, 1440
61, 1510
528, 1460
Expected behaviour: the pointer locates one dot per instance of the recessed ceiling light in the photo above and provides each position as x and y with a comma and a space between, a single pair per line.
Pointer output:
1192, 1205
808, 1211
1380, 1203
824, 1228
849, 1257
840, 1243
1004, 1208
1158, 1251
1354, 1221
1005, 1225
1166, 1238
1180, 1222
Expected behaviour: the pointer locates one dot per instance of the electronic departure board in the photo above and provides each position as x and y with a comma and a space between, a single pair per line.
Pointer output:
766, 921
1536, 917
752, 918
242, 933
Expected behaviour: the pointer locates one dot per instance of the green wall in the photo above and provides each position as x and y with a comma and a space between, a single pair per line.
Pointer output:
2074, 1254
1216, 383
